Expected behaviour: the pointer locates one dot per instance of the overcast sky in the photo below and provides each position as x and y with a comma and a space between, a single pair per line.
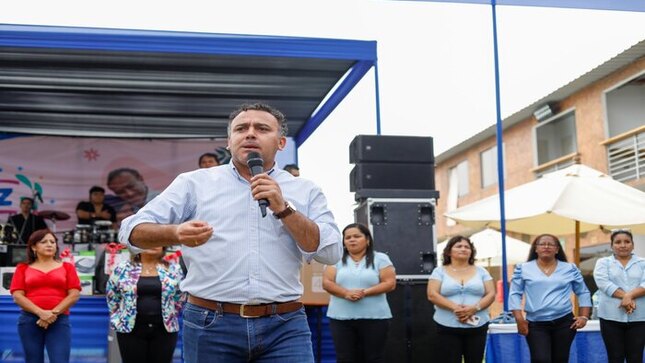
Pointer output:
435, 59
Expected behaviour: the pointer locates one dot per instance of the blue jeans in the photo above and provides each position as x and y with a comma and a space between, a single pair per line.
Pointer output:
56, 338
213, 336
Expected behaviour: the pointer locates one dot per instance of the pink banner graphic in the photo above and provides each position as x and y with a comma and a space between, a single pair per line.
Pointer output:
61, 170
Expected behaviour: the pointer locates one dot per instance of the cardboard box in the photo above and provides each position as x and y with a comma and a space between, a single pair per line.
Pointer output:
311, 276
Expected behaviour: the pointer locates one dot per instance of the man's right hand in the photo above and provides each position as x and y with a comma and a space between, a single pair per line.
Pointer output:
193, 233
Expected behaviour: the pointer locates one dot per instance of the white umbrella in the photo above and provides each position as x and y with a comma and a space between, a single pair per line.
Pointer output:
489, 248
575, 199
552, 203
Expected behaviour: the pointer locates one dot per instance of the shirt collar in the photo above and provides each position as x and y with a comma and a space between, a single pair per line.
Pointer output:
237, 173
632, 259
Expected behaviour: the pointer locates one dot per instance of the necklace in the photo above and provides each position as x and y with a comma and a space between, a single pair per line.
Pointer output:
548, 269
458, 269
357, 261
148, 270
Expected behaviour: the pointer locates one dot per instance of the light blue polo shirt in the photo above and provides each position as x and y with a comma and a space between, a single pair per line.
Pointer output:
351, 276
467, 294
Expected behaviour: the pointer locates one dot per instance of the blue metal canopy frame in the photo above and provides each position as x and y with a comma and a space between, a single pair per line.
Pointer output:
362, 53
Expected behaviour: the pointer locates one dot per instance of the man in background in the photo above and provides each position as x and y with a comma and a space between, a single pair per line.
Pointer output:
95, 209
292, 169
208, 160
25, 222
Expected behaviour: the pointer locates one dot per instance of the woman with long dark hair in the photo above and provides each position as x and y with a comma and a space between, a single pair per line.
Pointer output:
358, 310
461, 293
145, 301
45, 288
621, 300
547, 281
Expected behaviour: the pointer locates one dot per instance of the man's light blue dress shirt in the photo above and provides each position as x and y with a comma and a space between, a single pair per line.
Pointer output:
248, 259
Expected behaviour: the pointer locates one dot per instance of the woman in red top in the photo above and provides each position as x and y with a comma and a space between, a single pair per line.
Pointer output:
45, 288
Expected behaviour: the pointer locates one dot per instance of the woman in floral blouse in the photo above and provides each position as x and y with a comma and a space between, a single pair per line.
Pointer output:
145, 302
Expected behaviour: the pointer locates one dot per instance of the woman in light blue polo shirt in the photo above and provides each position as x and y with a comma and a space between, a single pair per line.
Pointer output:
621, 300
358, 311
461, 293
547, 281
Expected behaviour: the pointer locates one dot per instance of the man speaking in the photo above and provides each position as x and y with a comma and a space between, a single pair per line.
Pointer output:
243, 267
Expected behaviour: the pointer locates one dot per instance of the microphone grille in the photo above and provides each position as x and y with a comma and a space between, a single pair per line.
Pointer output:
254, 159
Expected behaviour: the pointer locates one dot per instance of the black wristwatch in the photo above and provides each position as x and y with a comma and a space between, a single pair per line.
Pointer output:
288, 210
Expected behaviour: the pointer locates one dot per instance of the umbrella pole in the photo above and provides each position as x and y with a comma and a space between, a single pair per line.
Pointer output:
576, 252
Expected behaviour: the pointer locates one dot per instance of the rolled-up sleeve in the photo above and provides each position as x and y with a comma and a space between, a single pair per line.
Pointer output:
601, 276
330, 248
517, 289
173, 206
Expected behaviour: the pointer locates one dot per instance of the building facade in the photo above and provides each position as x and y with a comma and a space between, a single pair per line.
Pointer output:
597, 120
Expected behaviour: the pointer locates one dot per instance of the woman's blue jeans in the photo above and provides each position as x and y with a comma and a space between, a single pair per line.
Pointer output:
56, 339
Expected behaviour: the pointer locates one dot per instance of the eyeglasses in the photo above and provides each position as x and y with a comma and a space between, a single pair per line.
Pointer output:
542, 244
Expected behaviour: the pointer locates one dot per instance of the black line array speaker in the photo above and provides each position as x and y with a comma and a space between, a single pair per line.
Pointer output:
404, 230
391, 149
412, 336
392, 176
391, 166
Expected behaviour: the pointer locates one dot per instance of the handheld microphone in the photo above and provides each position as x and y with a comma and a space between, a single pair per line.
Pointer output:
256, 165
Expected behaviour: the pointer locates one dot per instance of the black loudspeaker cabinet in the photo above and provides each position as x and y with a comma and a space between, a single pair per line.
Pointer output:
361, 194
407, 176
412, 335
404, 229
391, 149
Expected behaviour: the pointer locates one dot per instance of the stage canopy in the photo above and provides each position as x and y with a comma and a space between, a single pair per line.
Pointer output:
153, 84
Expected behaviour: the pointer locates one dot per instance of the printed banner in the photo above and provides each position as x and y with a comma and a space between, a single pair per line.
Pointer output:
61, 170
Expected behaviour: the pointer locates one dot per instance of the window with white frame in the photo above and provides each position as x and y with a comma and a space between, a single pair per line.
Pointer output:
459, 178
556, 137
488, 163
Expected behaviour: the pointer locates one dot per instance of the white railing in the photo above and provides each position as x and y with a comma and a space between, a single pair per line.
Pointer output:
626, 156
556, 164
